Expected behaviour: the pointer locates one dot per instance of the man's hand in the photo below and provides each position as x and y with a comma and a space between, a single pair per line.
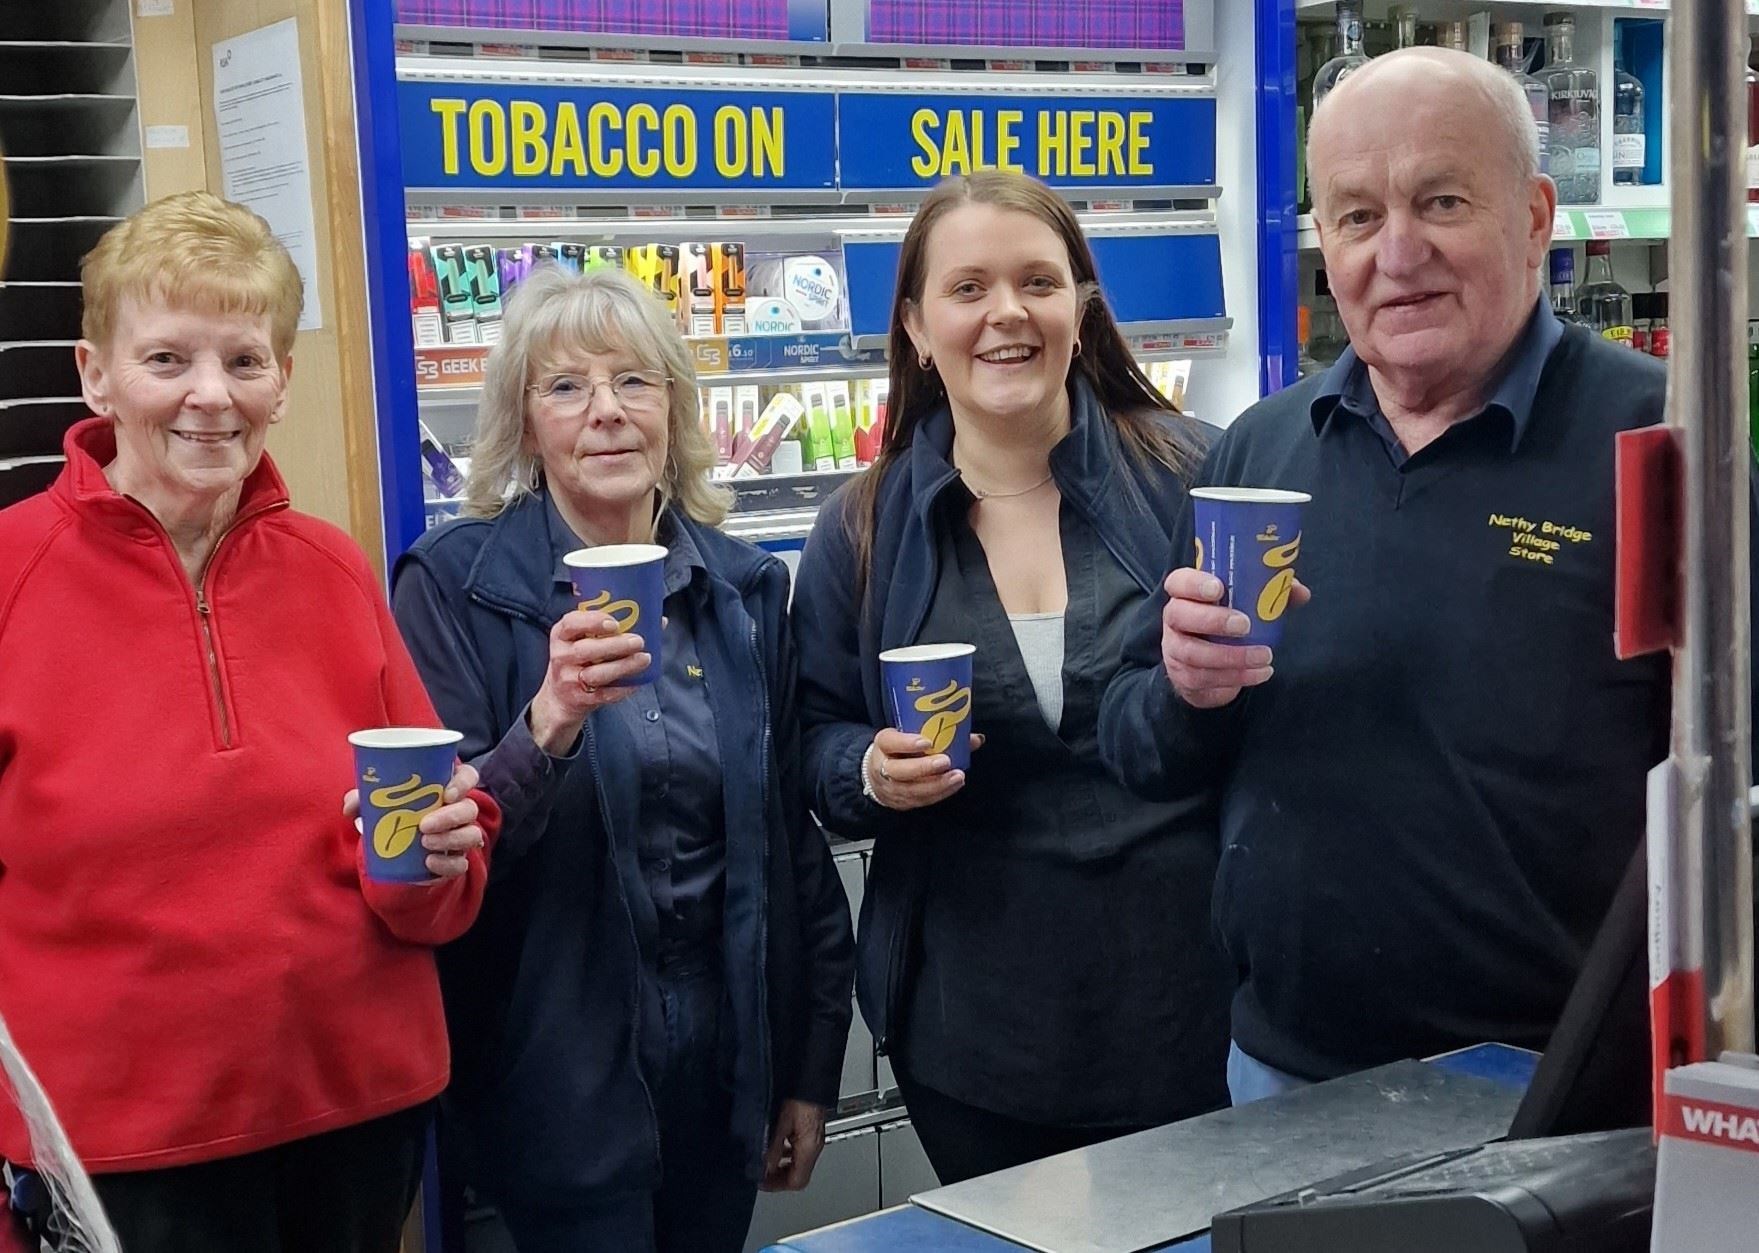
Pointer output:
1207, 675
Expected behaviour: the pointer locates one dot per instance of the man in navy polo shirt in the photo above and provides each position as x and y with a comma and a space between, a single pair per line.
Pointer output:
1430, 793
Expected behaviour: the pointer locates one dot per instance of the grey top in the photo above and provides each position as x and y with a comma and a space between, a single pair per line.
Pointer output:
1040, 637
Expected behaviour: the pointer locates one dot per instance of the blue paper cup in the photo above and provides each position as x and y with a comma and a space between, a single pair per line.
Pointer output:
929, 689
627, 581
1249, 537
402, 773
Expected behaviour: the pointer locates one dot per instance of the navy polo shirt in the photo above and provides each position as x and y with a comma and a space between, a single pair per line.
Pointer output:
1426, 810
681, 845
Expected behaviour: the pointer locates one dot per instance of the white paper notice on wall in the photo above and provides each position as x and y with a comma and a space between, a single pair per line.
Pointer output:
154, 8
259, 111
167, 136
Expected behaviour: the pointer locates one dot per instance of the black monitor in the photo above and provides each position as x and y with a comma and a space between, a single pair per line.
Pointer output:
1595, 1072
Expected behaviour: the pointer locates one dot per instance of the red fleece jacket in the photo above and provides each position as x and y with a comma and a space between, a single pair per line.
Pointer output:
190, 954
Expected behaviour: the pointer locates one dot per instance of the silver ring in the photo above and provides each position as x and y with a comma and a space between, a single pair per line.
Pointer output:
884, 773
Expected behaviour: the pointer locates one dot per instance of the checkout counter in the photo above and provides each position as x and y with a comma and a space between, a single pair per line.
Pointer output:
1159, 1189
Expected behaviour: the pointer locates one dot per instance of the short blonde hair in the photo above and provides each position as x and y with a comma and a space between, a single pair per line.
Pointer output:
196, 251
553, 316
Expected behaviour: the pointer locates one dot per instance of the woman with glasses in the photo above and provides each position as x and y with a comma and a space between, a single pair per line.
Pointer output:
648, 1019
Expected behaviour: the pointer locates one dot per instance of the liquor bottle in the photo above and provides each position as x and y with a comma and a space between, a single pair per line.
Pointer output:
1753, 122
1753, 383
1404, 19
1350, 57
1574, 93
1603, 305
1326, 338
1630, 145
1642, 315
1511, 54
1660, 338
1304, 362
1563, 284
1452, 35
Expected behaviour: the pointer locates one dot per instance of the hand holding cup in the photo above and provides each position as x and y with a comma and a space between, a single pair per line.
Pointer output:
591, 665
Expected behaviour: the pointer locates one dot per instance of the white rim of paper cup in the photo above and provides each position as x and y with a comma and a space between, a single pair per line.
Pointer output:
1252, 495
927, 652
613, 556
404, 737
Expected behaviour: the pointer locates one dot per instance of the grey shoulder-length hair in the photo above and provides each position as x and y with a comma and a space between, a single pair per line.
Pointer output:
78, 1218
551, 316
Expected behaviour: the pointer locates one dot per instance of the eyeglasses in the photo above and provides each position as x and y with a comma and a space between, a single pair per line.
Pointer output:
570, 395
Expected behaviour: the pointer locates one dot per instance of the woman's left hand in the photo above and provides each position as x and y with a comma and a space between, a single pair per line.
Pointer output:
795, 1144
449, 833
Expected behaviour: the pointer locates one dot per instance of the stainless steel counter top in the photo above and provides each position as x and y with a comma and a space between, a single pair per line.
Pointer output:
1145, 1191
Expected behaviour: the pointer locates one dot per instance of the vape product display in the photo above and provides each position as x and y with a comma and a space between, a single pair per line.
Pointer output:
729, 268
482, 272
870, 419
820, 446
745, 410
699, 289
720, 421
704, 285
842, 424
778, 419
424, 297
447, 477
457, 306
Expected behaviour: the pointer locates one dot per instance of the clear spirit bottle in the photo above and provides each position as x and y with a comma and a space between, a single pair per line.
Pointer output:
1563, 284
1350, 57
1404, 26
1574, 94
1630, 145
1601, 304
1753, 123
1511, 54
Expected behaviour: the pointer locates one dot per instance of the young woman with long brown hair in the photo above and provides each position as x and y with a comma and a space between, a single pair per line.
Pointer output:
1035, 950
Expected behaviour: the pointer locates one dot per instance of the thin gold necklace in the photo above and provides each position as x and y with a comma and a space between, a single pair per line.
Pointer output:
983, 495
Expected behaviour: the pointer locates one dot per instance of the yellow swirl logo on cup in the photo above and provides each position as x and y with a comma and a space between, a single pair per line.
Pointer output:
625, 613
419, 762
407, 802
1244, 539
946, 709
1274, 599
628, 582
929, 690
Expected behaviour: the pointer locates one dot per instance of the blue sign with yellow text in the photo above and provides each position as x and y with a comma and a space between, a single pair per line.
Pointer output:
591, 138
909, 141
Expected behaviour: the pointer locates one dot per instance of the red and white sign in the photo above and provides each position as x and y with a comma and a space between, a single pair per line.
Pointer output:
454, 366
1711, 1122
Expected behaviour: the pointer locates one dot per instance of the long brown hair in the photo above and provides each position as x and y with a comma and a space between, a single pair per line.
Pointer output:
1134, 406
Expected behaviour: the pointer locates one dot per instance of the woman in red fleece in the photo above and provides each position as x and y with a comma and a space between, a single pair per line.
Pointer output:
242, 1032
